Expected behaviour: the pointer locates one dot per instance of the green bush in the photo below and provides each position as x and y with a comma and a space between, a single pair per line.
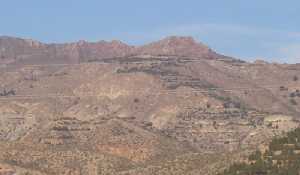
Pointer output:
286, 163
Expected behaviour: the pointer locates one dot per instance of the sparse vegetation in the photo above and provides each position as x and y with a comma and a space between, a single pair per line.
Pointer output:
281, 158
282, 88
292, 95
295, 78
8, 93
208, 105
293, 102
295, 94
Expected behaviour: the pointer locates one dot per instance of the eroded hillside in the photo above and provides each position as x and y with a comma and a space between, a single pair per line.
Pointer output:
170, 107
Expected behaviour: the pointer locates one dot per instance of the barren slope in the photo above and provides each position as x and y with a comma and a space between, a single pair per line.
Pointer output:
170, 107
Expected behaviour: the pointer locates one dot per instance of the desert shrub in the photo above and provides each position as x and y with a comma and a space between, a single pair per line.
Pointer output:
292, 95
293, 102
237, 105
282, 88
208, 105
255, 156
295, 78
297, 93
7, 93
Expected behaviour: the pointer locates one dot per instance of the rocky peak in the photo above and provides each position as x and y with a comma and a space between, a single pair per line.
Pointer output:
15, 48
33, 43
175, 45
178, 40
81, 43
5, 40
260, 61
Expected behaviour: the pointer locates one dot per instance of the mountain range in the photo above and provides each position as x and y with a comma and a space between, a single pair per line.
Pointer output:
174, 106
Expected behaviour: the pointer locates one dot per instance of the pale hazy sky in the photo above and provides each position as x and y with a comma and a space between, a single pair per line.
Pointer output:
267, 29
